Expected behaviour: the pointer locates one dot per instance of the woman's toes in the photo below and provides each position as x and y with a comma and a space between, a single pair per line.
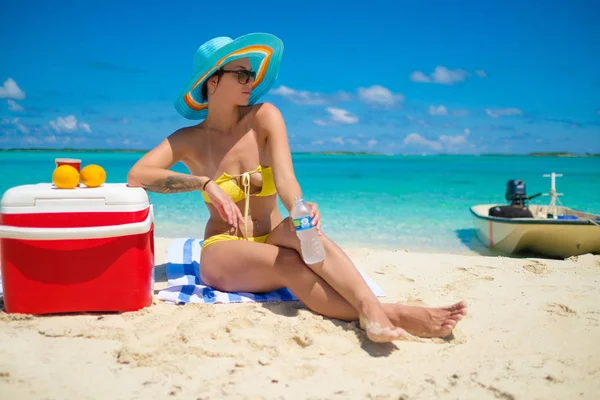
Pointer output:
451, 323
456, 316
459, 306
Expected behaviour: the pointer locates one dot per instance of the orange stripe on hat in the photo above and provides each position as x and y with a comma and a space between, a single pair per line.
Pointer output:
194, 105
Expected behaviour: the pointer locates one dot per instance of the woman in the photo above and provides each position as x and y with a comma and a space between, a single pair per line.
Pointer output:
239, 158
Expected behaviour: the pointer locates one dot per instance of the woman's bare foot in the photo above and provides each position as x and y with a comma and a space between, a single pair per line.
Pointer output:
426, 322
378, 326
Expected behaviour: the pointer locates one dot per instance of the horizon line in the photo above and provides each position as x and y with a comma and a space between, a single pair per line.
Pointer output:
331, 152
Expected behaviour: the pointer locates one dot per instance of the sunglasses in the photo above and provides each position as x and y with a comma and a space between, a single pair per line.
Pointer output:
243, 75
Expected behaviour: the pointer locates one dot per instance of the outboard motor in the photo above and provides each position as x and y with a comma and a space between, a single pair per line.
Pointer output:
516, 193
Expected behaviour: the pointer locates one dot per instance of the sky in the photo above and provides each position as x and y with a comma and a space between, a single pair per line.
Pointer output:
395, 77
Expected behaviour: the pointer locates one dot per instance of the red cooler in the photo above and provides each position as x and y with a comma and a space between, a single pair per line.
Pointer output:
76, 250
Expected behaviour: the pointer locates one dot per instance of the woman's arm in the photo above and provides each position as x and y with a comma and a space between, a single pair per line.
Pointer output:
269, 122
152, 171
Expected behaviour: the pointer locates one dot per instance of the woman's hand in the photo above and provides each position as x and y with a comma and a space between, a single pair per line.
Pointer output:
315, 215
223, 203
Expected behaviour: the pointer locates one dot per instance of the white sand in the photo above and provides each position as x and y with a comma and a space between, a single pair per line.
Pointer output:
532, 333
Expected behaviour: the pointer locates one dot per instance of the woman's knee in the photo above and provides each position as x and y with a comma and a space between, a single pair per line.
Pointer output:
283, 236
289, 264
211, 273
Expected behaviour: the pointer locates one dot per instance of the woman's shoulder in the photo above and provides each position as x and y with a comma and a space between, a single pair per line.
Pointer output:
188, 132
265, 114
265, 108
186, 136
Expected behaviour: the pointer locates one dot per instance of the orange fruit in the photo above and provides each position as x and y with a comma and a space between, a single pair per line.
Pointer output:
93, 176
65, 177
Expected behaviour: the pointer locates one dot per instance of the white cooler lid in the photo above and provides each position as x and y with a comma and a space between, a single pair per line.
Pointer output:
45, 197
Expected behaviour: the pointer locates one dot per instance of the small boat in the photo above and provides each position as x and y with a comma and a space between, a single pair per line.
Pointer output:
550, 230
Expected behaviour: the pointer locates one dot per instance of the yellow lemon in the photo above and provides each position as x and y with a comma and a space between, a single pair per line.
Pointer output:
65, 177
93, 175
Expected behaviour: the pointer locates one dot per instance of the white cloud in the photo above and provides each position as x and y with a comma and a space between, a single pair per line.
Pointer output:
452, 143
353, 141
341, 115
441, 75
439, 110
13, 106
379, 96
449, 143
499, 112
85, 126
318, 142
10, 90
305, 97
371, 142
416, 139
453, 140
418, 76
338, 140
66, 124
20, 126
300, 96
69, 124
480, 73
338, 115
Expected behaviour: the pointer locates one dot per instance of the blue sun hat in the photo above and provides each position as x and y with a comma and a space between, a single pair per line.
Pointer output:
262, 49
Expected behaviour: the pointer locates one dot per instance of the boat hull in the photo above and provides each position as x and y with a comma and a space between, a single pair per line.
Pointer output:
543, 236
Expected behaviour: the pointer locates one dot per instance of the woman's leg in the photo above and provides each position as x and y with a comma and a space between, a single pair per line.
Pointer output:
244, 266
339, 272
256, 267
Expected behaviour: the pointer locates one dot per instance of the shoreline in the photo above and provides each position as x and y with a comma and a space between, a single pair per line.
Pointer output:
531, 332
476, 249
309, 153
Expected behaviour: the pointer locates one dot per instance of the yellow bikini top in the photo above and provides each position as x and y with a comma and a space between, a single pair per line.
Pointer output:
226, 182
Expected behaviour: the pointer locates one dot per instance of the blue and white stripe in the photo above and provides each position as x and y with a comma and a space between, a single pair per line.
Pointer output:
185, 286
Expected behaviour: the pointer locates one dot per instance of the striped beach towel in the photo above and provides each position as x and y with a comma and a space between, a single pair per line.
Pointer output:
185, 286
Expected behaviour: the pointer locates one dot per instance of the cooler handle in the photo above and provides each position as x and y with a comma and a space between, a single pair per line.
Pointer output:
94, 232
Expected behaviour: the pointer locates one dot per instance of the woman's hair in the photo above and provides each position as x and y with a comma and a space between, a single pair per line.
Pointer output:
204, 91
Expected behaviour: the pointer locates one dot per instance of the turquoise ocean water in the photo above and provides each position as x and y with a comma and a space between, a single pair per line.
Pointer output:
419, 203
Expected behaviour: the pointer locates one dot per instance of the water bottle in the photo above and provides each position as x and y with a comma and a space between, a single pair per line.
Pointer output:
310, 242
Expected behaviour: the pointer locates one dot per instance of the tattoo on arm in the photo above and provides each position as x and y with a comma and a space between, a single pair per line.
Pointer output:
174, 184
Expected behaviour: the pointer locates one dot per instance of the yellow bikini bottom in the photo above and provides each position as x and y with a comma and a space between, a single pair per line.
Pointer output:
223, 237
